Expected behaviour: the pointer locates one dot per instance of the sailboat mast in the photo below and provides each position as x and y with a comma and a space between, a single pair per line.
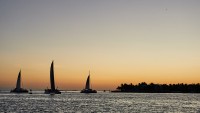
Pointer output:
52, 77
89, 80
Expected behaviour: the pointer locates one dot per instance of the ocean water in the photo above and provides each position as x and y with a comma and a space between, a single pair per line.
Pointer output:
100, 102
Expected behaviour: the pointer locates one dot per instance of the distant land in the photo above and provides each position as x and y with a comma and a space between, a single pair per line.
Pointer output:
159, 88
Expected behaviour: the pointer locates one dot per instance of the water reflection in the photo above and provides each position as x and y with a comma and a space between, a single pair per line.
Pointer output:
100, 102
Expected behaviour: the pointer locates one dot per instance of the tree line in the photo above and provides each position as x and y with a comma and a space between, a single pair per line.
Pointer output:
159, 88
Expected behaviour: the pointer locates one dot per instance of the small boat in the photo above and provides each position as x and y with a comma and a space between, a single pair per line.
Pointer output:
53, 90
30, 91
87, 87
18, 88
50, 91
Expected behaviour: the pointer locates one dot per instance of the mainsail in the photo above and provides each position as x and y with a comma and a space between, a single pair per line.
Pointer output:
18, 84
53, 90
52, 77
87, 86
18, 88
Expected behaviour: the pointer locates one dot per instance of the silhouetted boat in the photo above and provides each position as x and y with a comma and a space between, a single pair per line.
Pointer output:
18, 88
87, 86
30, 91
52, 82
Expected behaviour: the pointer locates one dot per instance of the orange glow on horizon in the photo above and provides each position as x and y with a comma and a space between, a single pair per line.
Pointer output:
119, 42
100, 80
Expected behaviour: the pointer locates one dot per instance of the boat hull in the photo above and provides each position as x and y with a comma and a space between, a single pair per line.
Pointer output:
49, 91
88, 91
21, 90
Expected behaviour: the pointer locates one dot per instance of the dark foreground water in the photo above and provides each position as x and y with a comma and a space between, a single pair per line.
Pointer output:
100, 102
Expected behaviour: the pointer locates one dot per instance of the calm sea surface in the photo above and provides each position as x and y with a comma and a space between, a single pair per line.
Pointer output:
100, 102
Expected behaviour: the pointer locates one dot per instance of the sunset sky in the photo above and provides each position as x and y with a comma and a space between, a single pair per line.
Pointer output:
119, 41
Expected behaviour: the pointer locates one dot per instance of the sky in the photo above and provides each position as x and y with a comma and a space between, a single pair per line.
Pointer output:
119, 41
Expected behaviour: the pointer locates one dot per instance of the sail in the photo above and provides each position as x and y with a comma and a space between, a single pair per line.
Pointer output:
87, 86
18, 84
52, 77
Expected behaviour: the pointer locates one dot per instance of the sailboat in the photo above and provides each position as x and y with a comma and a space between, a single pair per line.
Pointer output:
18, 88
53, 90
87, 86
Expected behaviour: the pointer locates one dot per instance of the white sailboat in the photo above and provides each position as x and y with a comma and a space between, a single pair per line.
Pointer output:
53, 90
87, 86
18, 88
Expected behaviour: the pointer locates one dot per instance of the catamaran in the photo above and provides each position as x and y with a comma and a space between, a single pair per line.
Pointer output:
53, 90
87, 86
18, 88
